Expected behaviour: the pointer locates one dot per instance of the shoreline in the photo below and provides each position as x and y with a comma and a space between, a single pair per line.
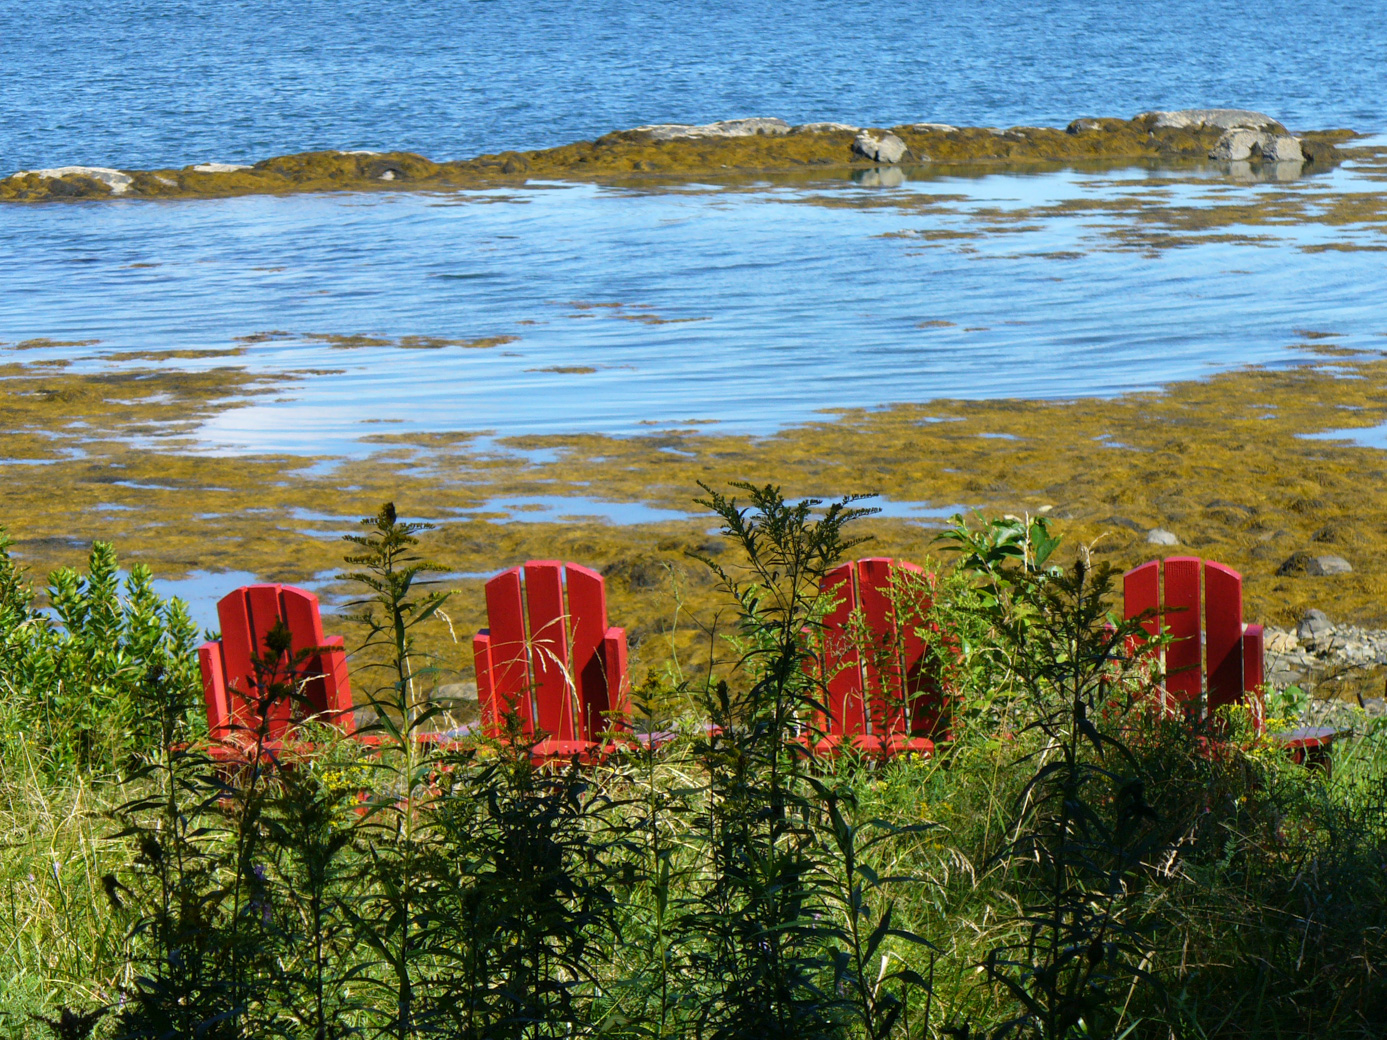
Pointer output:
1194, 137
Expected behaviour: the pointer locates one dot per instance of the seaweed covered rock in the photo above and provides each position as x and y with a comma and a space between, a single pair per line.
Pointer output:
759, 145
76, 181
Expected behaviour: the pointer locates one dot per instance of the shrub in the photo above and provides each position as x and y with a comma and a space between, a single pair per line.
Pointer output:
76, 680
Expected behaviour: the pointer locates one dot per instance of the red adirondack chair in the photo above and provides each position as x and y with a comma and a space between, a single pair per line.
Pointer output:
229, 679
881, 695
549, 656
1218, 662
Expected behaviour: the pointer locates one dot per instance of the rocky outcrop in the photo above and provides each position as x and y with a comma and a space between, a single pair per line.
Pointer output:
726, 128
759, 144
880, 146
1319, 655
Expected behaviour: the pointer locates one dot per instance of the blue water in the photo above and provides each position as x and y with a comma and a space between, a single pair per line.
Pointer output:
750, 308
145, 83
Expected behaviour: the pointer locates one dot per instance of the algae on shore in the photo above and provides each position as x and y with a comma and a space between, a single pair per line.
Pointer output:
638, 154
1238, 466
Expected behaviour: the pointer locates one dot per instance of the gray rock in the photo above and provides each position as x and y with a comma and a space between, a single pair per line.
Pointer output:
219, 167
1223, 118
887, 148
1314, 627
1322, 566
824, 128
1281, 148
1236, 145
118, 182
1242, 145
725, 128
1160, 536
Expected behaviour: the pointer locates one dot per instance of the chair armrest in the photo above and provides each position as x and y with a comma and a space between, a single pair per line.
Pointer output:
337, 685
618, 682
1254, 682
486, 690
213, 668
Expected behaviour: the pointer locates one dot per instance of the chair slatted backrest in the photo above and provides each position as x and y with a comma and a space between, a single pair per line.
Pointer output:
876, 667
548, 654
247, 615
1213, 656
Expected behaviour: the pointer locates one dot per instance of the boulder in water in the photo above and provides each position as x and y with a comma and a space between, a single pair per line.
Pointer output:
1242, 145
882, 148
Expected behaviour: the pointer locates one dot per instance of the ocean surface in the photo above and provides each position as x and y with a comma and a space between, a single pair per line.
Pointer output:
146, 83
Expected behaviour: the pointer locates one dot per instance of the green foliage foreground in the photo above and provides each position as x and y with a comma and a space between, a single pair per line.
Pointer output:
1071, 864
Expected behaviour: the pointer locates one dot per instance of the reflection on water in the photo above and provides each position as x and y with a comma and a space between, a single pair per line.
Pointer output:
1362, 436
201, 590
547, 509
621, 310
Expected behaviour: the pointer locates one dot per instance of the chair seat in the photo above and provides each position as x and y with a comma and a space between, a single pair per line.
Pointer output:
867, 744
1306, 737
550, 749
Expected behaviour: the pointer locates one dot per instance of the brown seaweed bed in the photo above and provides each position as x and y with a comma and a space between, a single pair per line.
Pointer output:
639, 154
1223, 463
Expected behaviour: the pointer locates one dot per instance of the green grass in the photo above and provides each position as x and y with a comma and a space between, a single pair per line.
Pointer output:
1072, 865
